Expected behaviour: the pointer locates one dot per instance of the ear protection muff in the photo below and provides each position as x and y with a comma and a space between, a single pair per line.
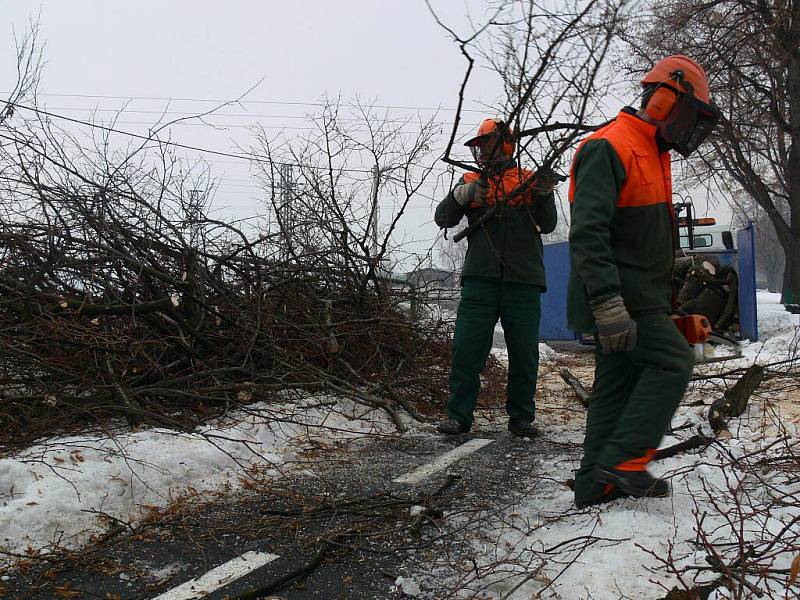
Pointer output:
506, 136
661, 102
664, 97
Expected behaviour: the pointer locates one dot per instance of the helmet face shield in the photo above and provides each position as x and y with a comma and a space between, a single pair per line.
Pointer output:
476, 152
688, 124
493, 143
489, 148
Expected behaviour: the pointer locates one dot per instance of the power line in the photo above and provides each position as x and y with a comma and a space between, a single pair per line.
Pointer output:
205, 120
253, 183
178, 145
234, 126
383, 205
424, 192
155, 140
253, 158
179, 112
263, 102
226, 114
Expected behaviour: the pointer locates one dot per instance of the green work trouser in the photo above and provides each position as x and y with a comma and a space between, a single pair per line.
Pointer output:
518, 307
634, 397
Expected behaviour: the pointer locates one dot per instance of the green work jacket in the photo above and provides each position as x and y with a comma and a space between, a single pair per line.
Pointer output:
509, 245
622, 222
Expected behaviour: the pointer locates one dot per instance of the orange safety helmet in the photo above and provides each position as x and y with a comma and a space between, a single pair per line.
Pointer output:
490, 127
671, 76
688, 71
680, 103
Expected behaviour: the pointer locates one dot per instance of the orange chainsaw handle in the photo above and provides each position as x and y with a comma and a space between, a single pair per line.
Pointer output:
695, 328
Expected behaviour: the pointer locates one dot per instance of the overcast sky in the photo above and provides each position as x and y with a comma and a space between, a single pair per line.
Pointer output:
390, 51
105, 55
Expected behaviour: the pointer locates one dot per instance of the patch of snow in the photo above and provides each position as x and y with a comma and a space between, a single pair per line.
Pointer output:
546, 355
51, 493
165, 572
611, 543
778, 332
407, 586
616, 547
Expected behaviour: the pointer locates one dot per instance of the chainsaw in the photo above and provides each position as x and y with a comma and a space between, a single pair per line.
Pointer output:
706, 343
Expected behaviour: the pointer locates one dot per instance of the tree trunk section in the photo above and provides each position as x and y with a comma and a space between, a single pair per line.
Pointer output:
733, 403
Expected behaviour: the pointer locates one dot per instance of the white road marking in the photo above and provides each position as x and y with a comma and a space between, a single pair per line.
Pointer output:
444, 461
219, 576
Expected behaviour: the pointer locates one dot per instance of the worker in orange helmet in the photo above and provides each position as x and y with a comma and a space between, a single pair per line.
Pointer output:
622, 239
503, 275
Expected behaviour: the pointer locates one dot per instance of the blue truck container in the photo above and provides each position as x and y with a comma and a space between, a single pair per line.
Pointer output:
556, 262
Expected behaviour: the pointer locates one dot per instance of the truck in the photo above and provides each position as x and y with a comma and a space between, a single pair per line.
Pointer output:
707, 282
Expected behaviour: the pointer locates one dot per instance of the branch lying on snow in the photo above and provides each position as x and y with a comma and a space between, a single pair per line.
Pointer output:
746, 516
732, 404
699, 592
693, 443
300, 572
124, 299
771, 371
580, 390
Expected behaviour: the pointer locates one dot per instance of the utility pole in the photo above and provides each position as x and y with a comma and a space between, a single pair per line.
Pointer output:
193, 209
286, 216
373, 217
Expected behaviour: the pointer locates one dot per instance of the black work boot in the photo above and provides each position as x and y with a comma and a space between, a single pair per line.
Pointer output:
452, 427
639, 484
614, 494
521, 428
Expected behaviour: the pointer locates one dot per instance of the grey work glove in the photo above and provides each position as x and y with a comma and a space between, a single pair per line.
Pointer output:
545, 182
474, 192
616, 331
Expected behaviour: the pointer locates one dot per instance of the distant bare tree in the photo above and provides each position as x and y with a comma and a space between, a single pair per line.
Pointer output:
451, 255
122, 298
339, 193
29, 70
750, 50
770, 258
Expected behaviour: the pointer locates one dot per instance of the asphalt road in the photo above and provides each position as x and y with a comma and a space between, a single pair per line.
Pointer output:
291, 518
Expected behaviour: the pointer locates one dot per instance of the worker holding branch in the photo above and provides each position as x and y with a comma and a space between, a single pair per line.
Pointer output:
508, 208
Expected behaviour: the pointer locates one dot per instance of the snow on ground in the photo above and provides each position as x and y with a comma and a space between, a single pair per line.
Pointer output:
546, 355
778, 331
610, 544
527, 550
48, 492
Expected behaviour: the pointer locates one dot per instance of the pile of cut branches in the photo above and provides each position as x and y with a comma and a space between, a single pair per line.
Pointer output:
123, 303
98, 320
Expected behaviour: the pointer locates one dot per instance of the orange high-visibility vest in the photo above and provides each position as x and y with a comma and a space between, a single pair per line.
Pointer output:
502, 185
648, 171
